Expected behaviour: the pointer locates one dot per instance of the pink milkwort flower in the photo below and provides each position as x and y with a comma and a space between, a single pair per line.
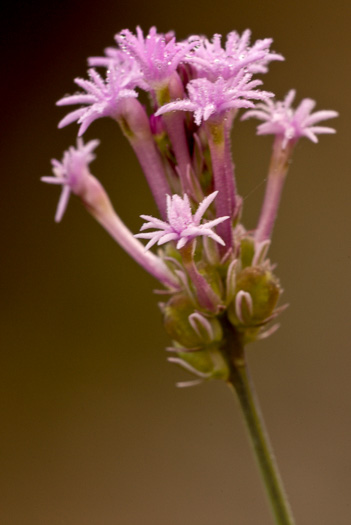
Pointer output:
157, 55
103, 98
211, 61
210, 99
71, 172
182, 225
281, 119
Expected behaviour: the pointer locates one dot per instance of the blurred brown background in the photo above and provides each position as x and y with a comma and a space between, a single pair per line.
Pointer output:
93, 430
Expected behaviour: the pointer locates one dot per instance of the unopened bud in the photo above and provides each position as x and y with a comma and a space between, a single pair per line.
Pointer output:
188, 327
257, 293
205, 364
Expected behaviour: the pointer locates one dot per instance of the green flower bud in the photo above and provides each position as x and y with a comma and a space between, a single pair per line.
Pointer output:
188, 327
208, 363
257, 293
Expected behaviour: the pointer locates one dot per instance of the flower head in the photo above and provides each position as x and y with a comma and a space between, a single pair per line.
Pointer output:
223, 289
71, 172
207, 99
103, 98
158, 55
182, 225
212, 61
281, 119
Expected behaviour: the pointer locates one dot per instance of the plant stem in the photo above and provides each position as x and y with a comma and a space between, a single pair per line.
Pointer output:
241, 383
135, 126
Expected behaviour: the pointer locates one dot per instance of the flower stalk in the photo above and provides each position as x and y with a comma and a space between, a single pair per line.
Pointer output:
120, 233
135, 125
240, 383
278, 169
175, 127
223, 176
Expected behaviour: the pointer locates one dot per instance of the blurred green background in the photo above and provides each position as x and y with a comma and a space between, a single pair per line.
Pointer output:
93, 430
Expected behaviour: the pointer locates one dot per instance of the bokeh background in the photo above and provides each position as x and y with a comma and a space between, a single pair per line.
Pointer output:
93, 430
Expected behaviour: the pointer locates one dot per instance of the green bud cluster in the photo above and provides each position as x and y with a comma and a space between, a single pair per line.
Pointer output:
248, 293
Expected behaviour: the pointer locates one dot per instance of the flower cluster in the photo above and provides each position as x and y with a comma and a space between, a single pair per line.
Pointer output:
222, 289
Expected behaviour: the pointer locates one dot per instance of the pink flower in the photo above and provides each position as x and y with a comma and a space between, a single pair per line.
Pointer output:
182, 225
158, 55
103, 98
207, 99
281, 119
211, 61
71, 172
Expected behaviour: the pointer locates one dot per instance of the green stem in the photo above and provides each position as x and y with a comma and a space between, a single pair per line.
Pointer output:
241, 383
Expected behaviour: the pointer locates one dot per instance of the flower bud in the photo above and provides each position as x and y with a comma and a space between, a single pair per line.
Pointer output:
188, 327
208, 363
257, 293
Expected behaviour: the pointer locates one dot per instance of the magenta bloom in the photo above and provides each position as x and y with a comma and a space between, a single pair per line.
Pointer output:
102, 98
71, 172
207, 99
182, 225
211, 61
157, 55
281, 119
